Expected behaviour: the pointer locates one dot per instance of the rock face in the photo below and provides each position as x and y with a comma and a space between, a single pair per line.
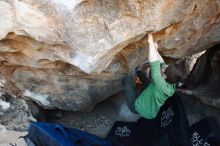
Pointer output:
202, 89
11, 137
204, 80
71, 54
64, 88
14, 113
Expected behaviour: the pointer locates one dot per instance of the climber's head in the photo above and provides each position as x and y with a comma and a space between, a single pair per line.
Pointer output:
172, 73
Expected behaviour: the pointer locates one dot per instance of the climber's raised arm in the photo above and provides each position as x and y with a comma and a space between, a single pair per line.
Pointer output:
155, 60
158, 54
153, 54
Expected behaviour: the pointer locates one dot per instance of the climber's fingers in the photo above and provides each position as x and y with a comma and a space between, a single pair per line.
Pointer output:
150, 38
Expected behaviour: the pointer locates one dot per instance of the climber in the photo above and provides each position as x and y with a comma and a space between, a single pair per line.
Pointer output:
155, 91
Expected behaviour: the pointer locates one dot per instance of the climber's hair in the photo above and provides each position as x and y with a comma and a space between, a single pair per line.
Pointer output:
173, 73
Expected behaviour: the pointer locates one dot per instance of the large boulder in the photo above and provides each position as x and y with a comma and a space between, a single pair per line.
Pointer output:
71, 54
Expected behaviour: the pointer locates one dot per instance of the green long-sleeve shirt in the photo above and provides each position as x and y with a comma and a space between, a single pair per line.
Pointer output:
154, 96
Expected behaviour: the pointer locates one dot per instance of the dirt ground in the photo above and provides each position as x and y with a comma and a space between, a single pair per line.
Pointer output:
97, 122
101, 119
